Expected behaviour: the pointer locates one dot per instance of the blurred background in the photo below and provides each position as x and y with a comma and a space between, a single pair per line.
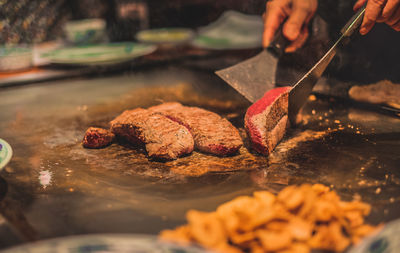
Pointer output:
32, 23
24, 21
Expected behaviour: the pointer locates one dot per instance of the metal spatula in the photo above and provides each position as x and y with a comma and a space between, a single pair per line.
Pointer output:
253, 77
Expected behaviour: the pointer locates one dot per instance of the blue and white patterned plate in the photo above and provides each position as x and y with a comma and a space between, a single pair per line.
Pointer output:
385, 241
103, 243
5, 153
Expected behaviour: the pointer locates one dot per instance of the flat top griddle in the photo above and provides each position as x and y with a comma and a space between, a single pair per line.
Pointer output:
57, 188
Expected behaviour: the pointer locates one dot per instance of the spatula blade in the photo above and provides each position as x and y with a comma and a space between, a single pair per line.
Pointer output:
253, 77
302, 89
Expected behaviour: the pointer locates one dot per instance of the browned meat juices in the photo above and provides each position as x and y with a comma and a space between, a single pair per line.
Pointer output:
211, 133
97, 138
162, 137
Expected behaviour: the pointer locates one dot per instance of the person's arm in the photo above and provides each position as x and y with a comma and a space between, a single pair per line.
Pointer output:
381, 11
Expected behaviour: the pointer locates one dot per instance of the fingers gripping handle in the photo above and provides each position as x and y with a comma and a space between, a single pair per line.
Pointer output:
279, 43
354, 23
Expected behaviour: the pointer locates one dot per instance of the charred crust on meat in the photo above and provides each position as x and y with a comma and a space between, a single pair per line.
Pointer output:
97, 138
212, 134
162, 138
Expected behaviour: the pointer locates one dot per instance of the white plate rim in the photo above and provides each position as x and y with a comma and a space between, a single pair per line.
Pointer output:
148, 49
9, 154
121, 241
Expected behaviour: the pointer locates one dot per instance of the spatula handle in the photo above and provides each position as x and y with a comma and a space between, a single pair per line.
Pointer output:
353, 23
279, 43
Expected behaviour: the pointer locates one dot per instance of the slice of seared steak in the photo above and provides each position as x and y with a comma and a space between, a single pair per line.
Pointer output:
162, 137
97, 138
211, 133
266, 120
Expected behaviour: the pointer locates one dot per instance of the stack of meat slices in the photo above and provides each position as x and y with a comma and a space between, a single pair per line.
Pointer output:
169, 131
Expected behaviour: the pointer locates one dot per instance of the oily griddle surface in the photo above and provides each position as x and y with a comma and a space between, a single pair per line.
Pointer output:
57, 188
123, 158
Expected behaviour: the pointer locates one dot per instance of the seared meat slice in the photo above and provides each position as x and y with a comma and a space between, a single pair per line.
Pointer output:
266, 120
97, 138
162, 137
211, 133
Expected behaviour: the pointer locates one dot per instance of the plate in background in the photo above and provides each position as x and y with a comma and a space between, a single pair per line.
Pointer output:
102, 243
99, 54
5, 153
86, 31
165, 36
233, 30
15, 58
385, 241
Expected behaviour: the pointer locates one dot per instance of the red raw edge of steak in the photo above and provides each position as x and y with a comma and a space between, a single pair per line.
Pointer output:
97, 138
266, 120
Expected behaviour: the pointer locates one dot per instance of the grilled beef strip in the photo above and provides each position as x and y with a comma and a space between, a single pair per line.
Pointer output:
211, 133
163, 138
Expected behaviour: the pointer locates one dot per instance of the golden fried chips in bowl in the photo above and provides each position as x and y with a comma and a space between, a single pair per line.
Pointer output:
298, 219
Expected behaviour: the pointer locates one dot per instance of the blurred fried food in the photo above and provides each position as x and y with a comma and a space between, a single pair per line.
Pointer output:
298, 219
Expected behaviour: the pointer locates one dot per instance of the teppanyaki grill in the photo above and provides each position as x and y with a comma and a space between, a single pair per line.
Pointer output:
58, 187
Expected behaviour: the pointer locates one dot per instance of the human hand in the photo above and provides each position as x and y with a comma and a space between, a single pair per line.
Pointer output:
381, 11
298, 14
